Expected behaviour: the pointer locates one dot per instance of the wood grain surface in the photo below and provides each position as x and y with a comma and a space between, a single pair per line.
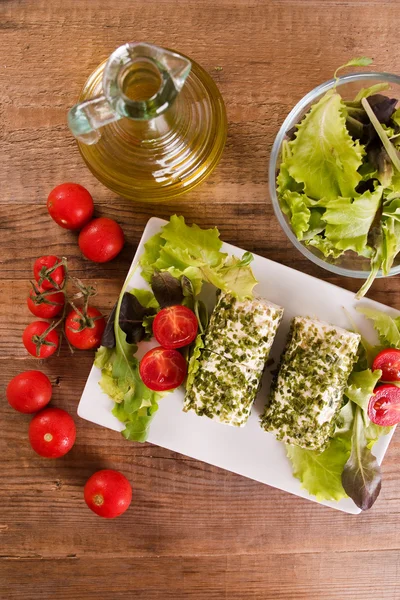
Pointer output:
193, 531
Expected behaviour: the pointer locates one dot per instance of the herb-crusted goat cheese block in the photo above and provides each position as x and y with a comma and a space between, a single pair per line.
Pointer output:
243, 331
307, 393
236, 347
222, 390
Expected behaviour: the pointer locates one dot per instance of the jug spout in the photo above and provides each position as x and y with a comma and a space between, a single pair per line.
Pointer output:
140, 82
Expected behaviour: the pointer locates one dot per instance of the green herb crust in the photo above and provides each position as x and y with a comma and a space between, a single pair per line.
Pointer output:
307, 393
243, 332
230, 365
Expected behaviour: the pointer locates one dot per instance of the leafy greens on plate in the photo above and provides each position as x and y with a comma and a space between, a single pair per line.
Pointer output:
339, 177
347, 467
176, 262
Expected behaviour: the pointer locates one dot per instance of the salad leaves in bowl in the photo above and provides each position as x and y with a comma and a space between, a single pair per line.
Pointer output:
335, 175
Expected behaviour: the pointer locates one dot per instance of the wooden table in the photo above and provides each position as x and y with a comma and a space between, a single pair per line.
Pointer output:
193, 531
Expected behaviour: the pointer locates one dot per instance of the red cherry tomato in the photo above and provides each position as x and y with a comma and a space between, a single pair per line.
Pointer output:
175, 326
29, 391
70, 205
46, 304
44, 276
85, 333
162, 369
384, 406
101, 240
388, 361
52, 432
108, 493
32, 334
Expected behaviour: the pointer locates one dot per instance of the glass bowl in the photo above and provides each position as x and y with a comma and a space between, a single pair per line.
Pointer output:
349, 264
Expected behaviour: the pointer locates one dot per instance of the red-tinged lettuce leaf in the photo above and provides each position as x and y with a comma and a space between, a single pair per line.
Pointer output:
167, 289
131, 316
361, 477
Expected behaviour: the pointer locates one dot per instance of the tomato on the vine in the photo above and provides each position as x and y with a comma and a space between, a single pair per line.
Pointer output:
108, 493
52, 432
70, 205
84, 331
175, 326
162, 369
29, 391
101, 240
45, 274
45, 304
37, 345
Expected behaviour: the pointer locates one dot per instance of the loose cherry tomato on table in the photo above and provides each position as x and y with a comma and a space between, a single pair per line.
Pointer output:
37, 345
388, 361
175, 326
101, 240
85, 331
29, 391
45, 304
45, 274
70, 205
162, 369
108, 493
52, 433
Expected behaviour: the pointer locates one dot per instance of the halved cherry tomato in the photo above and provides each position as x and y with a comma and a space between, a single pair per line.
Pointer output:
42, 271
29, 391
45, 304
52, 432
108, 493
162, 369
33, 342
101, 240
388, 361
175, 326
384, 406
85, 332
70, 205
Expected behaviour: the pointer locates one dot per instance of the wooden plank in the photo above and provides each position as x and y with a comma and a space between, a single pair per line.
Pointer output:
307, 576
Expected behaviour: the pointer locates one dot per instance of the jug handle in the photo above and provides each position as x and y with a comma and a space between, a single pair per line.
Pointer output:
85, 119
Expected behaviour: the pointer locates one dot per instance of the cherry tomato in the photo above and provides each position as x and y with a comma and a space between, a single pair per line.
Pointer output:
388, 361
82, 332
32, 334
108, 493
101, 240
175, 326
162, 369
29, 391
43, 275
46, 304
52, 432
384, 406
70, 205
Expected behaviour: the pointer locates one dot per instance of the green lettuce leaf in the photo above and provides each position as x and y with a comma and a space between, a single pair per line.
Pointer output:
360, 388
391, 241
388, 328
321, 473
194, 360
299, 212
349, 221
325, 246
324, 157
195, 253
370, 91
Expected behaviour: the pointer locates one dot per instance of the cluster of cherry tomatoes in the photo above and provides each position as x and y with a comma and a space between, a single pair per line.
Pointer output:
52, 434
71, 206
384, 405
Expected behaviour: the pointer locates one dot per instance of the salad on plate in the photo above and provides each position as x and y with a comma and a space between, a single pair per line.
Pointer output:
333, 394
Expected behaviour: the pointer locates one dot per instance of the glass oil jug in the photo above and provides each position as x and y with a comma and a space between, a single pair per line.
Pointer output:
150, 124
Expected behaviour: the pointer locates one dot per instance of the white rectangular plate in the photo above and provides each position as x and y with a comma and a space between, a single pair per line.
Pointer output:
248, 451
